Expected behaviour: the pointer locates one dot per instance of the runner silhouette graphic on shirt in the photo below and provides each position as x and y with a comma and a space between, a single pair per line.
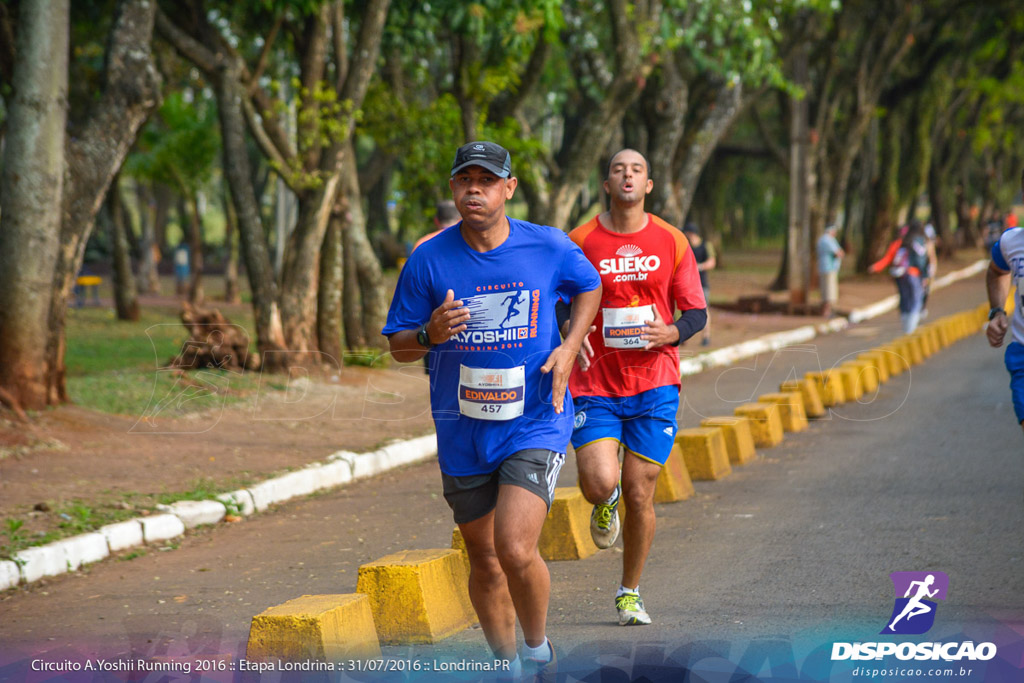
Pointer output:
914, 606
514, 299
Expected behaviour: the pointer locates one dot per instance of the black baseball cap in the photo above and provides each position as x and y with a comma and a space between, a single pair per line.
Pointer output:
489, 155
691, 227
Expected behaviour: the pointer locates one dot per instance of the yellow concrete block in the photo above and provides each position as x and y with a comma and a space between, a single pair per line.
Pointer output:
813, 407
566, 531
418, 596
765, 423
459, 543
910, 352
895, 359
315, 627
867, 375
877, 359
925, 340
853, 384
914, 348
830, 386
704, 453
674, 480
739, 441
791, 410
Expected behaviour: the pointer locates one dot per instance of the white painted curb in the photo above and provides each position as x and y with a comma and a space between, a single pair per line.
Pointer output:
192, 513
161, 527
83, 549
35, 563
775, 341
122, 534
9, 574
240, 499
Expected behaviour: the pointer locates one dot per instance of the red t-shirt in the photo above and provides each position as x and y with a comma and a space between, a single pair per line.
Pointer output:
651, 269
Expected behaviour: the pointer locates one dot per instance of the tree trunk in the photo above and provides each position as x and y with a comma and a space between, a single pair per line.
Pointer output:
195, 242
369, 278
31, 186
351, 305
883, 217
301, 268
939, 207
232, 295
721, 113
126, 301
666, 123
130, 93
798, 234
328, 322
162, 198
149, 252
269, 333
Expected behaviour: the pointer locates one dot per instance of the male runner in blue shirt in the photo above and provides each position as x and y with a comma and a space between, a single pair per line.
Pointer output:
498, 382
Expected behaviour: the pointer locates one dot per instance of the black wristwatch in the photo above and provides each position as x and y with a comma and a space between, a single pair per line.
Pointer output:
423, 337
995, 311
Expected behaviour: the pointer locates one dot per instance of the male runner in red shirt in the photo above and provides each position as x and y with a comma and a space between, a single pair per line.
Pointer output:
626, 385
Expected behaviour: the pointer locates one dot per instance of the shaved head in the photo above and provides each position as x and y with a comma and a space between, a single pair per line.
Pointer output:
628, 151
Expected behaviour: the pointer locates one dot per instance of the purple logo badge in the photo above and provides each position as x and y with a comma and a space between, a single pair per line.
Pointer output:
914, 610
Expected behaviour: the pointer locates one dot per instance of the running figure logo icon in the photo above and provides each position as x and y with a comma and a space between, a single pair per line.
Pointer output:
512, 300
914, 612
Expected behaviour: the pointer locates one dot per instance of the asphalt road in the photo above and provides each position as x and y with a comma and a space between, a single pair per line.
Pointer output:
758, 574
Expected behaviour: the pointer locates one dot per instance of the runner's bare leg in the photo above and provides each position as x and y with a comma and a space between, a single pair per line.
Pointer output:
639, 478
518, 519
488, 587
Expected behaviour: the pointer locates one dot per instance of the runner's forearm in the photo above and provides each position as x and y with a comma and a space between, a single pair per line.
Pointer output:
404, 347
690, 322
998, 285
584, 310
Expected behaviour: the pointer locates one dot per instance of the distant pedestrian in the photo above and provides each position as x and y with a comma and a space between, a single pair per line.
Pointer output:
704, 253
182, 260
1006, 268
830, 258
909, 268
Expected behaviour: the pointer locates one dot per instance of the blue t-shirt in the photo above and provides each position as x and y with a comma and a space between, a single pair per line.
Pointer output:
828, 254
510, 292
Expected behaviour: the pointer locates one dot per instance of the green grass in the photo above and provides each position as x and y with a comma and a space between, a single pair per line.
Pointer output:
116, 367
72, 518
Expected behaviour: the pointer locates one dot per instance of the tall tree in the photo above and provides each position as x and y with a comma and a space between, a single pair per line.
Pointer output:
329, 93
31, 185
94, 141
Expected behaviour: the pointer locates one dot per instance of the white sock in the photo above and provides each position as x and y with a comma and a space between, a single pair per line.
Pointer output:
541, 653
623, 589
515, 669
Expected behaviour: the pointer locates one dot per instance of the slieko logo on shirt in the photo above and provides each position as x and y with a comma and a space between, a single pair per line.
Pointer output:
913, 613
631, 265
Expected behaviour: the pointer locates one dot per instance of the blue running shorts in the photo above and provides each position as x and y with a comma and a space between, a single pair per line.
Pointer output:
645, 424
1015, 365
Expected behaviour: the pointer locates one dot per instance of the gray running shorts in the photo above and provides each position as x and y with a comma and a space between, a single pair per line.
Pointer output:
473, 496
